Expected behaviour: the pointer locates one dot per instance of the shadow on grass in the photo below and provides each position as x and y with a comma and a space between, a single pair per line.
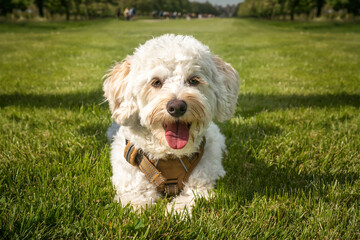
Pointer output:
64, 100
257, 175
248, 175
95, 130
28, 26
250, 104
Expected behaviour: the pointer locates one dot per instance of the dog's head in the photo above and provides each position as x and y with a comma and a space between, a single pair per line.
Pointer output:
172, 87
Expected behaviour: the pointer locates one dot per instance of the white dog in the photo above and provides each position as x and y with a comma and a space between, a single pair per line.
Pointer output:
164, 97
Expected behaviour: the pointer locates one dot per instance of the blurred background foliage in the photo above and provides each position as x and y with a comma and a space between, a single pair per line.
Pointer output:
304, 9
269, 9
89, 9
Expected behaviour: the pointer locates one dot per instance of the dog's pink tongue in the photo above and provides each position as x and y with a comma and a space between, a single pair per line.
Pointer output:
177, 135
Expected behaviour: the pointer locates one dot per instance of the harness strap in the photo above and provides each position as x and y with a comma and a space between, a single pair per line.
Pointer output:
168, 186
196, 159
135, 157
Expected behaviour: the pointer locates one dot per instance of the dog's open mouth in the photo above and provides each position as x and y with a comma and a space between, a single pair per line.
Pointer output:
177, 134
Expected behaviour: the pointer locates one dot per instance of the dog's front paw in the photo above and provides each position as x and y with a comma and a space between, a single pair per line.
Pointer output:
178, 207
181, 204
136, 202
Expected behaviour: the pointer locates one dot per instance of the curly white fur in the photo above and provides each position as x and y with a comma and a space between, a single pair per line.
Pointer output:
138, 91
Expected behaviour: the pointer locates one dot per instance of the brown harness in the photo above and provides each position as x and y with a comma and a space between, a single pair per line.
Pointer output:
168, 174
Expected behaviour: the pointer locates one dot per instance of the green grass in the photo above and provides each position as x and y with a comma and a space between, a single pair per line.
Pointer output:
293, 159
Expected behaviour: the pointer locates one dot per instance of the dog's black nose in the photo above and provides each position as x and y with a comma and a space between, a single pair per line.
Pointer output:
176, 108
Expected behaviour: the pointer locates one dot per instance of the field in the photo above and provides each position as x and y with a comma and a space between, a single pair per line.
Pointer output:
293, 159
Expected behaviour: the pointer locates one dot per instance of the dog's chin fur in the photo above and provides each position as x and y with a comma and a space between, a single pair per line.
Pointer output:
139, 107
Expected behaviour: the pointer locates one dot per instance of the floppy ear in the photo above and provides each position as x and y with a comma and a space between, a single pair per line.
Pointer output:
121, 101
227, 93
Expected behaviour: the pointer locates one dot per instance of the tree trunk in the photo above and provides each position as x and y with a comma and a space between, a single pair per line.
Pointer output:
40, 6
319, 5
293, 5
292, 16
67, 15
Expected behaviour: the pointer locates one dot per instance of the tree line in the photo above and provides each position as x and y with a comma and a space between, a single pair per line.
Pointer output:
285, 9
88, 9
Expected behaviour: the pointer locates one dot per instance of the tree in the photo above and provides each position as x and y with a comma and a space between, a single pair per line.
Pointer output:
305, 7
352, 6
7, 6
144, 6
60, 6
319, 6
293, 4
40, 6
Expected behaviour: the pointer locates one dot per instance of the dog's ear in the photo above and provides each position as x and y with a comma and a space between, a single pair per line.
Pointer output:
121, 101
227, 93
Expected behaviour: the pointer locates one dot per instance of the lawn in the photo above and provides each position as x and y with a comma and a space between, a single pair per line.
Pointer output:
293, 146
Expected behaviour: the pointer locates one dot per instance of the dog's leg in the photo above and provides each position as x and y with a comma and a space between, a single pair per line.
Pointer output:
137, 198
130, 184
187, 198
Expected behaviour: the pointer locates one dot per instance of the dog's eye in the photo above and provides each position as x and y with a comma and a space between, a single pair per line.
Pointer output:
194, 81
156, 83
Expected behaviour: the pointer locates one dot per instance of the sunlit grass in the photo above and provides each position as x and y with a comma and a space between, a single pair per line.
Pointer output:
293, 158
